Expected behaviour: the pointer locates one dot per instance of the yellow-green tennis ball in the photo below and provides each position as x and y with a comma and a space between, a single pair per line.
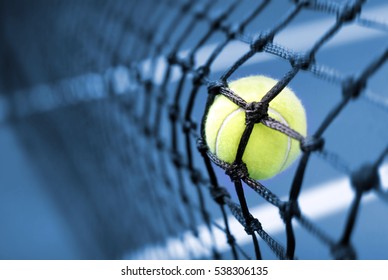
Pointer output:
268, 151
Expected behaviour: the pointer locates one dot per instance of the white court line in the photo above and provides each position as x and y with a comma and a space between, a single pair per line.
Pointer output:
318, 202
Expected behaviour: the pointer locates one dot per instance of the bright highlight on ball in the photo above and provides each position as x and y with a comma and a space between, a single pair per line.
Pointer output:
268, 151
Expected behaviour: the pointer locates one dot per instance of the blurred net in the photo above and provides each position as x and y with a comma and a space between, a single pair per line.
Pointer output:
109, 99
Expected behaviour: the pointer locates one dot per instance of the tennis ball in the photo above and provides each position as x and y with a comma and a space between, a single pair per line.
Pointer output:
268, 151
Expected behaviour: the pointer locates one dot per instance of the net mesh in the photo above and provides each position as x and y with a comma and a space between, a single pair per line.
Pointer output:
110, 99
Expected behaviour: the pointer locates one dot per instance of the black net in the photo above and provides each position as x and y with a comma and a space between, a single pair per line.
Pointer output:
110, 98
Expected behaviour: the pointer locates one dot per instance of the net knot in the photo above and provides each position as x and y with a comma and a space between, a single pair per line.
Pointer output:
214, 87
174, 113
216, 21
365, 178
255, 112
232, 30
311, 144
289, 209
350, 10
186, 6
343, 252
172, 58
161, 99
160, 144
230, 239
351, 88
252, 226
177, 159
195, 232
199, 13
302, 61
189, 125
201, 145
216, 255
185, 199
261, 40
186, 63
148, 36
195, 176
148, 85
147, 131
237, 171
200, 74
219, 194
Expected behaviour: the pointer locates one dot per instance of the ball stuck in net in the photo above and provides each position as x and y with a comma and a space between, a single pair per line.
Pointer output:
268, 151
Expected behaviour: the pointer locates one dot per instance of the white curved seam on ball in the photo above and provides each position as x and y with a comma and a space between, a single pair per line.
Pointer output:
224, 122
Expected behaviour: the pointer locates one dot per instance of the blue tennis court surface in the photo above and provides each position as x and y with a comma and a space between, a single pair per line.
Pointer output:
33, 227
